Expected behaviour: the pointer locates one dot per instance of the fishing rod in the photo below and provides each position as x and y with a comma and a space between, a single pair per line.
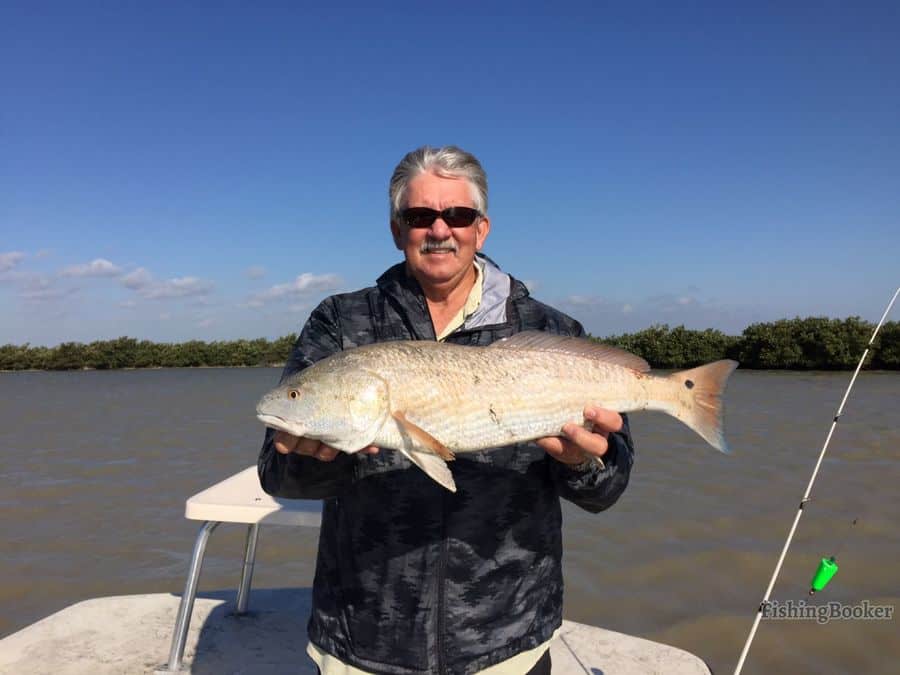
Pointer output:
829, 567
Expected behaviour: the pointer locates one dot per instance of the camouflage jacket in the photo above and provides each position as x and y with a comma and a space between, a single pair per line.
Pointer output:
411, 578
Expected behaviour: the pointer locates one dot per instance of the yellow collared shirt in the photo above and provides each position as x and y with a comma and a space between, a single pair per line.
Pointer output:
472, 303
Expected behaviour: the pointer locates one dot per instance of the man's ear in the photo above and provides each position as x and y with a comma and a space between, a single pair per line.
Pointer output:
395, 233
483, 226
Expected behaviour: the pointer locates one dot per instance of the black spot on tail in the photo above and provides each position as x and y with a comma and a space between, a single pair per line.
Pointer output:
689, 384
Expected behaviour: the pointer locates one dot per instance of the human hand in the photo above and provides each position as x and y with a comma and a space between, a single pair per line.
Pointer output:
578, 443
285, 443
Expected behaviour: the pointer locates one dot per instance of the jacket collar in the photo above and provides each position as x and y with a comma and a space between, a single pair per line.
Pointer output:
499, 287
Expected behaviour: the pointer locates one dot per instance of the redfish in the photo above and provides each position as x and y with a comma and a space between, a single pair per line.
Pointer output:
432, 400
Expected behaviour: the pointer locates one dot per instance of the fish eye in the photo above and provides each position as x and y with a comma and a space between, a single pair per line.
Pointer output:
293, 394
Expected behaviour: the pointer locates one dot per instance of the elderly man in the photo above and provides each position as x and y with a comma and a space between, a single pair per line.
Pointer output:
410, 578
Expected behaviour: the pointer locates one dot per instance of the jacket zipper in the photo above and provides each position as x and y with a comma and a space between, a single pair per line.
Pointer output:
442, 570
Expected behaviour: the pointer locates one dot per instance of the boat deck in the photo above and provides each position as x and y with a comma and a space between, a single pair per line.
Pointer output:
132, 633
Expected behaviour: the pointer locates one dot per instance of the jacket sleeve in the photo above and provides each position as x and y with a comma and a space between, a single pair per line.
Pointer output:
596, 488
296, 476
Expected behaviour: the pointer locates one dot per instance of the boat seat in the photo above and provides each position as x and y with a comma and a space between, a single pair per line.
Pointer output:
237, 499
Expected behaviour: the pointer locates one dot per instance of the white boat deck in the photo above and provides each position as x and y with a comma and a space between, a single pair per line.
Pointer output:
131, 634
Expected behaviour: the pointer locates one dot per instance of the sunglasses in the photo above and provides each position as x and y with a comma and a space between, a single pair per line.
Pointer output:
454, 216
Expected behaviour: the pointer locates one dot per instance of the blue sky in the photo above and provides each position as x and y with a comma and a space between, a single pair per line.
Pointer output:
212, 170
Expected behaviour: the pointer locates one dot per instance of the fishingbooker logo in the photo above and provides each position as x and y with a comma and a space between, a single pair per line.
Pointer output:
832, 611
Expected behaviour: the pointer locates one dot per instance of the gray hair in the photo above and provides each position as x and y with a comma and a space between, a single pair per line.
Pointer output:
448, 161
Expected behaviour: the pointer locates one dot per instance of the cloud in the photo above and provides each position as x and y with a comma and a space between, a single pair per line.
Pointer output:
141, 281
128, 304
99, 267
139, 278
42, 289
304, 284
593, 301
205, 323
668, 302
531, 285
10, 260
180, 287
255, 272
43, 253
694, 309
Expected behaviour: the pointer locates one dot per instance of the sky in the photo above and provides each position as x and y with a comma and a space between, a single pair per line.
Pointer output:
174, 171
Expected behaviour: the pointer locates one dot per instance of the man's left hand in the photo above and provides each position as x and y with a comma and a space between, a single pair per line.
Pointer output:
579, 443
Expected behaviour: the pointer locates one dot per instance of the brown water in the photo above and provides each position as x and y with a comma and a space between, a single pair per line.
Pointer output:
95, 468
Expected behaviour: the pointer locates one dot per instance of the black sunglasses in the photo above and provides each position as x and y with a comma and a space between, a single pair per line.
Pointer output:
454, 216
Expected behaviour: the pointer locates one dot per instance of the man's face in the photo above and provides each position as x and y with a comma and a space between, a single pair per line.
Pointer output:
440, 255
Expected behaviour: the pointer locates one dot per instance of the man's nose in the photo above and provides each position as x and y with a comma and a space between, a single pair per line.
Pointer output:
439, 229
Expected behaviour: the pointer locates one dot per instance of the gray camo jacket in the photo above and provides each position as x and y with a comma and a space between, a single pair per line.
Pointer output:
412, 579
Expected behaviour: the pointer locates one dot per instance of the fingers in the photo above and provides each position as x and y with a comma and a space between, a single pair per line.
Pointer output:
590, 442
561, 449
285, 443
325, 453
604, 420
577, 442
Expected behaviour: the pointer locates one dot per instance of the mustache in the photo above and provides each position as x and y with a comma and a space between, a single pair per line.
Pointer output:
432, 245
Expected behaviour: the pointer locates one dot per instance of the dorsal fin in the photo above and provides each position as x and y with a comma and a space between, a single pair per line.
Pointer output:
547, 342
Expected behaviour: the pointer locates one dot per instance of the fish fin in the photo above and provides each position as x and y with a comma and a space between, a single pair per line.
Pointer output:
548, 342
703, 412
434, 466
423, 438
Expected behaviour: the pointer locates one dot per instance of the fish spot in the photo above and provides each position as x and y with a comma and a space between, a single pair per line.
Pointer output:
494, 418
476, 379
689, 384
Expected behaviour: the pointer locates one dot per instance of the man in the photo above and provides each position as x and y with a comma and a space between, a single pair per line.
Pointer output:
411, 578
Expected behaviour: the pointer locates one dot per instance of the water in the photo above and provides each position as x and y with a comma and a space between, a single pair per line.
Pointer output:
95, 468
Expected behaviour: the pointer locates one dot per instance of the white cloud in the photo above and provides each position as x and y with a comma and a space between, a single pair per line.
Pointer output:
531, 285
205, 323
43, 253
142, 281
180, 287
41, 289
137, 279
99, 267
693, 309
128, 304
10, 260
255, 272
586, 301
165, 316
304, 284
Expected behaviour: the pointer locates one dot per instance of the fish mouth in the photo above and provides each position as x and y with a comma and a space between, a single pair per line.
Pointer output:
281, 424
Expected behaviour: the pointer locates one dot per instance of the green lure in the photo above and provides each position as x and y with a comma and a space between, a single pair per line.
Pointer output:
827, 569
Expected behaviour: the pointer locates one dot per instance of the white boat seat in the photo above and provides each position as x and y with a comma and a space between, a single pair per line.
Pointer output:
238, 499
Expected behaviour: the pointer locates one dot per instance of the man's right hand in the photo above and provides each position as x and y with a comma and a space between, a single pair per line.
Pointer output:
286, 444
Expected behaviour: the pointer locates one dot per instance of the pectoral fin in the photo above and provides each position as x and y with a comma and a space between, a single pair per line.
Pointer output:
434, 466
423, 438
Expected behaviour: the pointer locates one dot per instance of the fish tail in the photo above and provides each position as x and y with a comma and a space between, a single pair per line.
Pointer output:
701, 408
